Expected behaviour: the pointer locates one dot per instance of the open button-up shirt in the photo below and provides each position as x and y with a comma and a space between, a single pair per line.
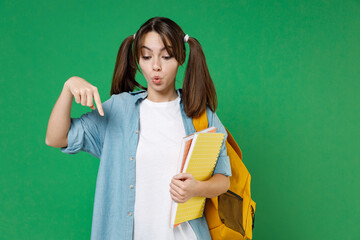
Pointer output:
113, 138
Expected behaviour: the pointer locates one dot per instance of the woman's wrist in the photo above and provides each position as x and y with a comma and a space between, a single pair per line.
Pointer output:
213, 187
199, 189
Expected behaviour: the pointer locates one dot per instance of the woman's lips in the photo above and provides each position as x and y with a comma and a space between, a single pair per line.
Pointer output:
156, 80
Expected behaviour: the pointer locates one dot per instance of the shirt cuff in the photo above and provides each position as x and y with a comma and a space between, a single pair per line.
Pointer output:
223, 166
74, 138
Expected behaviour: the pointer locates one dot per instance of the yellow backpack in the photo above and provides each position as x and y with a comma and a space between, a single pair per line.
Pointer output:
231, 215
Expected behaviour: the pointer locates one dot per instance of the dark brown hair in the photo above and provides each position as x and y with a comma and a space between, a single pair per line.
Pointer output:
198, 89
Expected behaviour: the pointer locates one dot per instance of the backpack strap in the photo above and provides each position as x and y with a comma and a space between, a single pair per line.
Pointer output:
201, 122
233, 144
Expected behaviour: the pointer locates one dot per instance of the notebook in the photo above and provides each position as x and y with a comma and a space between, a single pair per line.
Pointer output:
198, 156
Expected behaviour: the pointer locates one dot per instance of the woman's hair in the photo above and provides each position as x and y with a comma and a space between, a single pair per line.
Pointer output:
198, 89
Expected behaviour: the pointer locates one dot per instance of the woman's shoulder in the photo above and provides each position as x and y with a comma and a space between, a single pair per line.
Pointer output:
210, 114
127, 97
214, 120
125, 101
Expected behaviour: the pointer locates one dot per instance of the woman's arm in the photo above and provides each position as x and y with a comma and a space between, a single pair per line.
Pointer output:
59, 121
183, 186
216, 185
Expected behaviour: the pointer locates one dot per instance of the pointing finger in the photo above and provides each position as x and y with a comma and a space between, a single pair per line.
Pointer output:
98, 101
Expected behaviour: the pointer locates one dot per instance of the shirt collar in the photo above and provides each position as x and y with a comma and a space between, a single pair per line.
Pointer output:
142, 94
139, 95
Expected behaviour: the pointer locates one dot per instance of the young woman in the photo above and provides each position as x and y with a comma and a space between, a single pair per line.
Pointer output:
137, 135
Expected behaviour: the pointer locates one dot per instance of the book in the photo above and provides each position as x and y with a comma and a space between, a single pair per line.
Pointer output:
198, 156
186, 144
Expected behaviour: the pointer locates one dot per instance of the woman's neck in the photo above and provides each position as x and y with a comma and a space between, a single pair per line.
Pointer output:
155, 96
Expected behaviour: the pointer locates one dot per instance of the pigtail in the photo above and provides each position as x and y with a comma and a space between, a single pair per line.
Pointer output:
198, 88
125, 69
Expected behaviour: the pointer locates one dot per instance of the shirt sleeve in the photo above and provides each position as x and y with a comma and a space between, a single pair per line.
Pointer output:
87, 133
223, 163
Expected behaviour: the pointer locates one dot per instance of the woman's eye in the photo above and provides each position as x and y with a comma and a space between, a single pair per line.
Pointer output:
148, 57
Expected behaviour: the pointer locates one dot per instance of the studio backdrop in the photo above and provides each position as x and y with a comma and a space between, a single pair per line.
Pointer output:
287, 78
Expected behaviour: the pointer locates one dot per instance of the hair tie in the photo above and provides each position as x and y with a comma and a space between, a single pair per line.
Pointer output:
186, 38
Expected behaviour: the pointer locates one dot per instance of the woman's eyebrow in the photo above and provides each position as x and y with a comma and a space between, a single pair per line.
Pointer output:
152, 50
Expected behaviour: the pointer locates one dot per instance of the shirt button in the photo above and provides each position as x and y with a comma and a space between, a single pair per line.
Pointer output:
129, 213
131, 158
137, 131
131, 186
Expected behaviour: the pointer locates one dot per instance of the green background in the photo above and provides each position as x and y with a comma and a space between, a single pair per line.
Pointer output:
287, 77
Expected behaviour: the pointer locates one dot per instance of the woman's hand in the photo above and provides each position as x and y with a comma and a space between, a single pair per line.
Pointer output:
183, 186
84, 93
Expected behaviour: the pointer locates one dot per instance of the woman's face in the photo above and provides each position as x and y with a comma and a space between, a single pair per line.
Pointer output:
158, 67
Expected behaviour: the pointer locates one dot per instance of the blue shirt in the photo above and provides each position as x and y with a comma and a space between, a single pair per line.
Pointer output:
113, 138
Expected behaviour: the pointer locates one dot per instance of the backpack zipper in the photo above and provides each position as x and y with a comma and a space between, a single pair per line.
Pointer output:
235, 195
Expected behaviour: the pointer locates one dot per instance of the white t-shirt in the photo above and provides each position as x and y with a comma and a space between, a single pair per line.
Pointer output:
161, 133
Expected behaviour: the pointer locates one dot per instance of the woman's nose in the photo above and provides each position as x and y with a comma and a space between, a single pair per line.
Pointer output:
156, 64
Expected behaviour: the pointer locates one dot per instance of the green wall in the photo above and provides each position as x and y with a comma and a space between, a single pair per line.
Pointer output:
287, 77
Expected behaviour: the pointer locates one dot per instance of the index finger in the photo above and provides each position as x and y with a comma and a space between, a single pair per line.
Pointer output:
98, 102
177, 183
182, 175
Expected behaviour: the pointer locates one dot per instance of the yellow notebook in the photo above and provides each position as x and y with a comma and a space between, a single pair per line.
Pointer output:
200, 162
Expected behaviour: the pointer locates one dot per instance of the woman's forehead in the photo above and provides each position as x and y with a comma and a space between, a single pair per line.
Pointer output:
152, 42
151, 50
